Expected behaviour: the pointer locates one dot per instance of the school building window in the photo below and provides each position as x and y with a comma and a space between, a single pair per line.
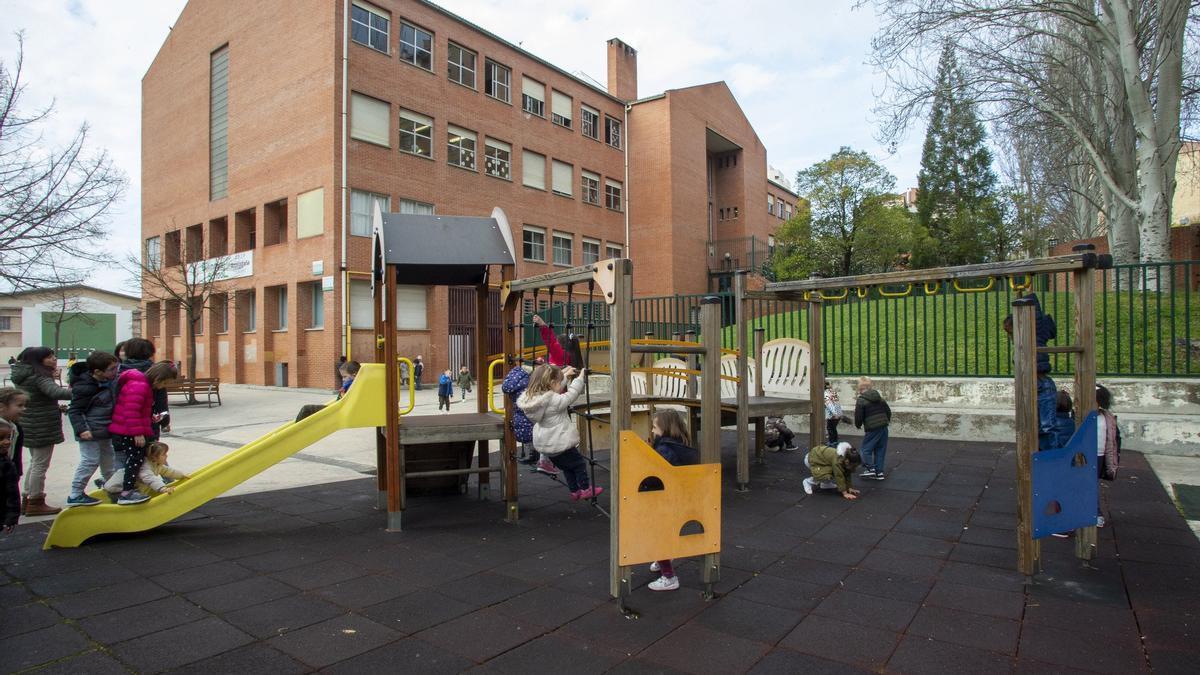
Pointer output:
460, 147
612, 132
247, 304
416, 46
591, 187
369, 119
218, 306
533, 97
590, 252
563, 176
613, 251
281, 307
310, 213
590, 122
362, 304
770, 204
316, 317
560, 108
218, 124
416, 133
533, 169
362, 211
498, 80
612, 194
563, 243
154, 253
533, 244
369, 26
461, 65
414, 207
497, 158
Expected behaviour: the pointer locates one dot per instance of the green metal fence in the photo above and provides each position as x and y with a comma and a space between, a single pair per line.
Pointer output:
1147, 316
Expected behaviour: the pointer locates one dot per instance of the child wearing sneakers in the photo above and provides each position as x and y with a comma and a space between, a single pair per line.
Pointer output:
670, 438
873, 415
150, 477
832, 468
547, 403
10, 482
90, 413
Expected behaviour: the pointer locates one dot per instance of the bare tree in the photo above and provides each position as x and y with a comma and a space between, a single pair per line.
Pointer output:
68, 305
191, 285
1108, 75
54, 202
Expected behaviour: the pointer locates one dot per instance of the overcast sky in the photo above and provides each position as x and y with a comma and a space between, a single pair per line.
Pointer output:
797, 69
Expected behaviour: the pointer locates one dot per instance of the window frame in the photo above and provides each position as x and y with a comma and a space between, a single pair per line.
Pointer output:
583, 251
372, 11
489, 157
316, 303
489, 80
458, 149
557, 236
611, 197
584, 112
593, 190
556, 118
610, 249
570, 193
525, 98
372, 196
413, 45
610, 123
525, 162
526, 244
451, 65
153, 257
387, 142
405, 133
281, 308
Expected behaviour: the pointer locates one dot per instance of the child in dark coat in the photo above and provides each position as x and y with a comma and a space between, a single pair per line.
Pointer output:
90, 413
1064, 421
513, 386
445, 390
872, 414
832, 468
671, 440
10, 490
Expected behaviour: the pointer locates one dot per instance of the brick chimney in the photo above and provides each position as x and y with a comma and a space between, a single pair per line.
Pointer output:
622, 70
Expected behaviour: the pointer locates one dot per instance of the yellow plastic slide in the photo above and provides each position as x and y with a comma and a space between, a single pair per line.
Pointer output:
362, 406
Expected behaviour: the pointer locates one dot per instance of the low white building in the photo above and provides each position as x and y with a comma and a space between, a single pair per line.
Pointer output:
75, 319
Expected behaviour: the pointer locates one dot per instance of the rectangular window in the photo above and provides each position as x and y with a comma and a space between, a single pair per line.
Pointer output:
197, 308
563, 177
612, 131
416, 208
560, 108
218, 124
410, 308
591, 122
218, 307
460, 65
369, 119
612, 194
612, 251
563, 243
591, 188
533, 244
771, 204
460, 147
317, 306
153, 253
369, 26
416, 46
591, 251
362, 211
6, 323
416, 133
248, 306
310, 213
498, 80
497, 158
362, 305
533, 169
533, 97
281, 314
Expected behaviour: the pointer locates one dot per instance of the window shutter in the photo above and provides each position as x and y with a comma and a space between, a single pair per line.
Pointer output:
563, 177
417, 118
499, 145
410, 308
310, 213
369, 119
560, 104
533, 88
533, 169
362, 305
461, 132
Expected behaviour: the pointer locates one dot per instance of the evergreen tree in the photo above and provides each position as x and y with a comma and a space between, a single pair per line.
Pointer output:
957, 208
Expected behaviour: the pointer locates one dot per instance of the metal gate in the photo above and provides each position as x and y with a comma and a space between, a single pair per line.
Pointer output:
461, 343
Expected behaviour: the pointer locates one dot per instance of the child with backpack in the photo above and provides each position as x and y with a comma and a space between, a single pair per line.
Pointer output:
669, 435
873, 415
547, 403
90, 413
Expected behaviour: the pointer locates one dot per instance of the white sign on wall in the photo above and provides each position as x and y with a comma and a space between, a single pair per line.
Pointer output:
233, 266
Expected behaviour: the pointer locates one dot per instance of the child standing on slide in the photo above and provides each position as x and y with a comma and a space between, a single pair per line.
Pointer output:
546, 402
671, 440
132, 425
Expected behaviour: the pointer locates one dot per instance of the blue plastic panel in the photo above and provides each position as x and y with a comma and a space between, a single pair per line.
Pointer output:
1065, 483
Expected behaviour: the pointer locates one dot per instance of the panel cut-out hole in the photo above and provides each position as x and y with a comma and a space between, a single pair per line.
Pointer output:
1079, 460
651, 484
1053, 508
691, 527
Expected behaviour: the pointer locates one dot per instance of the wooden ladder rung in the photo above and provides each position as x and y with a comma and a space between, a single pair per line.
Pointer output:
1070, 349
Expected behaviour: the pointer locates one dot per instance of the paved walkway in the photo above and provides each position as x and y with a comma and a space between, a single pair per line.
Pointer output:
915, 577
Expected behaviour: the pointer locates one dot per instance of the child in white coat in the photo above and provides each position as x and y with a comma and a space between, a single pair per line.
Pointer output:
150, 478
547, 403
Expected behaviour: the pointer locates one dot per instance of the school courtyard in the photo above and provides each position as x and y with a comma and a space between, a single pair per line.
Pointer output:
292, 572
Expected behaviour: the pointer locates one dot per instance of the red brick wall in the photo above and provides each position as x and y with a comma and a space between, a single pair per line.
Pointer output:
1185, 245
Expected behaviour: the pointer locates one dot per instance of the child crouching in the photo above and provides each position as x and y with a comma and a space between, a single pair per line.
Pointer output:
547, 404
153, 475
832, 468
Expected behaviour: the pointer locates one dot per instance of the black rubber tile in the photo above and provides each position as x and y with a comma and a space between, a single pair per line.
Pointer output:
1101, 653
916, 545
1027, 665
407, 655
943, 499
333, 640
816, 572
790, 594
253, 658
284, 615
239, 594
640, 666
903, 564
922, 655
364, 591
553, 654
868, 610
888, 585
831, 552
1177, 630
837, 533
749, 559
965, 628
847, 643
26, 618
165, 649
101, 575
694, 648
483, 589
989, 536
548, 606
1003, 604
284, 559
1172, 662
34, 563
206, 576
984, 577
591, 582
985, 555
928, 527
92, 662
320, 574
749, 620
539, 568
1084, 617
604, 626
107, 599
41, 646
15, 594
1000, 521
859, 518
416, 611
482, 635
115, 626
788, 662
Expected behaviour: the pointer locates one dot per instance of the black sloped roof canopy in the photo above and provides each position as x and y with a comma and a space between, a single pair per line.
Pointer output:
441, 250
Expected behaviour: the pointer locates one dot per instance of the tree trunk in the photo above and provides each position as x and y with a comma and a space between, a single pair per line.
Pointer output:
192, 319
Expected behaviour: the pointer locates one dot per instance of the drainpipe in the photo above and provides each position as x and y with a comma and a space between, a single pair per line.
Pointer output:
345, 171
628, 107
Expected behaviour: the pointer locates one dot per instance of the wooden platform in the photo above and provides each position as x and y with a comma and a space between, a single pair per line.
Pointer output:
758, 406
418, 430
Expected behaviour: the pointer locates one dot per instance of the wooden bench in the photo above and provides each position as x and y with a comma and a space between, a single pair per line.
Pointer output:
194, 390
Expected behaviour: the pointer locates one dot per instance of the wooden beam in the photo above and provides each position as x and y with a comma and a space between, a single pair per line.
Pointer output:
395, 451
710, 411
619, 356
511, 347
1025, 393
653, 349
552, 279
482, 295
1085, 377
1065, 263
1067, 349
741, 327
381, 439
816, 377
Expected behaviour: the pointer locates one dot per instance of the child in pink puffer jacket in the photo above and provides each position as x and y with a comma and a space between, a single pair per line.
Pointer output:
133, 421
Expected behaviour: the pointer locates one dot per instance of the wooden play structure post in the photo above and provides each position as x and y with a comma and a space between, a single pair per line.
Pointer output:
512, 350
394, 467
742, 326
816, 374
760, 423
620, 272
1025, 394
1084, 291
710, 402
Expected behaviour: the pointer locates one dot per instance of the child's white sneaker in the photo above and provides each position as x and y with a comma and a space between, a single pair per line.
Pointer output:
664, 584
808, 486
654, 567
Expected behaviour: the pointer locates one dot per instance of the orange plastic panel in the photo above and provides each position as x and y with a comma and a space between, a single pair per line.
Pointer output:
650, 522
